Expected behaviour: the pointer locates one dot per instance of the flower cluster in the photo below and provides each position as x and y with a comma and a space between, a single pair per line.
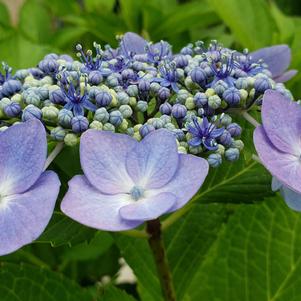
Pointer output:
140, 87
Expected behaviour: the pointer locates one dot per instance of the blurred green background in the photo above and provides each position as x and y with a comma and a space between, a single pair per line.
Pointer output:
31, 28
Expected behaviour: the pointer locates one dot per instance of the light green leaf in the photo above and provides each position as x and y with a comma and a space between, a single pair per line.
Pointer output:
250, 21
257, 257
100, 6
27, 283
131, 13
114, 294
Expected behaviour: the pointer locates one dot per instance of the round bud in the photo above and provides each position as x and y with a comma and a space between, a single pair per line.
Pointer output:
58, 133
64, 118
214, 102
179, 111
116, 118
189, 103
242, 83
144, 85
262, 84
132, 90
50, 113
33, 99
96, 125
232, 96
165, 119
101, 115
157, 123
220, 87
200, 99
155, 87
182, 95
163, 93
225, 139
12, 110
226, 120
146, 129
232, 154
126, 111
31, 112
238, 144
198, 76
109, 127
103, 98
79, 124
123, 98
179, 134
234, 129
71, 139
49, 66
142, 106
56, 95
214, 160
169, 126
181, 61
11, 87
95, 77
165, 108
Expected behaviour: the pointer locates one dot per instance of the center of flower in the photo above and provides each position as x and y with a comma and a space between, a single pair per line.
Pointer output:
137, 193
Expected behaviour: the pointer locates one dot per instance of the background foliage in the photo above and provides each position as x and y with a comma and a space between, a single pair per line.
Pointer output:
237, 242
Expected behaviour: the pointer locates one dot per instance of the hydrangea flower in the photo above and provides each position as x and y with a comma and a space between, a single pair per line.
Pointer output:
27, 192
277, 140
126, 182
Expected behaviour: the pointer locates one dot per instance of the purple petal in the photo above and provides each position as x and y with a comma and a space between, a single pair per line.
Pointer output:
286, 76
281, 120
23, 217
23, 150
154, 161
195, 141
148, 208
90, 207
103, 156
285, 167
292, 198
277, 58
190, 176
134, 43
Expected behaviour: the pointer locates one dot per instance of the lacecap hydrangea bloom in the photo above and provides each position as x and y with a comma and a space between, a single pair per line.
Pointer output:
126, 182
140, 87
27, 192
278, 145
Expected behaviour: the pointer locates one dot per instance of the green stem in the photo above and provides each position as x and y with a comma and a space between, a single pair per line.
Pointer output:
135, 233
33, 259
156, 244
250, 119
53, 154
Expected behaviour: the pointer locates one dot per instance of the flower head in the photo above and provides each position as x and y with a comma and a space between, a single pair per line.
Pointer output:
277, 140
126, 182
204, 133
27, 193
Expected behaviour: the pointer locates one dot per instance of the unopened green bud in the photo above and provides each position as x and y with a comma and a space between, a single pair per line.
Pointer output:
126, 111
238, 144
96, 125
182, 150
133, 102
137, 136
210, 92
137, 127
214, 102
17, 98
124, 125
71, 139
101, 115
50, 113
220, 149
109, 127
189, 103
58, 133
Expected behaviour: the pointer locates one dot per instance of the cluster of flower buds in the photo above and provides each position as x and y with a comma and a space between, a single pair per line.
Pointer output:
140, 87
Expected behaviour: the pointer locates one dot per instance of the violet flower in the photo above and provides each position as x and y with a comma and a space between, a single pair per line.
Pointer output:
278, 59
126, 182
278, 142
27, 193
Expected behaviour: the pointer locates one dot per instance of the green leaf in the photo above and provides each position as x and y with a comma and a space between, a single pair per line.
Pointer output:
27, 283
112, 293
100, 6
257, 257
35, 22
250, 21
4, 15
131, 13
63, 230
187, 242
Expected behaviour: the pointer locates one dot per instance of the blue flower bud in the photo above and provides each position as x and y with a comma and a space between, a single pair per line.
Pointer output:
163, 93
225, 119
220, 87
178, 111
132, 90
130, 131
95, 77
234, 129
4, 102
21, 74
146, 129
127, 74
56, 96
12, 110
43, 92
262, 84
142, 106
49, 66
64, 118
238, 144
182, 96
166, 119
58, 133
242, 83
232, 96
101, 115
200, 99
179, 134
144, 85
198, 76
181, 61
187, 50
11, 87
155, 87
36, 72
169, 126
232, 154
157, 123
116, 118
214, 160
112, 80
126, 111
31, 112
225, 139
103, 98
123, 98
79, 124
165, 108
33, 98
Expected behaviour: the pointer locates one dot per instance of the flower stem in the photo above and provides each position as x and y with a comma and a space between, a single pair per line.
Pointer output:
53, 154
156, 244
249, 118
